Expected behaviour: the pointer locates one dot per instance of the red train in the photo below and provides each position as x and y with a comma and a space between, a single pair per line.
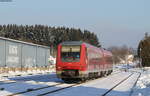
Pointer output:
79, 60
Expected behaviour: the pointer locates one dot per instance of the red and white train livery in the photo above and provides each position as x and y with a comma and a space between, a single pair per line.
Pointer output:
80, 60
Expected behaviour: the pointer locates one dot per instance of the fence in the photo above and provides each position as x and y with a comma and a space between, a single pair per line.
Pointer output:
22, 56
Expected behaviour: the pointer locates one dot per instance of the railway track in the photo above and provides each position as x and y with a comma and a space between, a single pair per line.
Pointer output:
23, 79
34, 89
116, 85
29, 79
53, 91
58, 88
135, 84
111, 89
7, 82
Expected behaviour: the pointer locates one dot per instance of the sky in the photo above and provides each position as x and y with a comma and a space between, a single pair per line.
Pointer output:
116, 22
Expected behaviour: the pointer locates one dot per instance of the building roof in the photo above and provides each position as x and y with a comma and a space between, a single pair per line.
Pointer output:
17, 41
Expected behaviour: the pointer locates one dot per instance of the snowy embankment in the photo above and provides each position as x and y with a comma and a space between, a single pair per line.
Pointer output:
142, 87
10, 74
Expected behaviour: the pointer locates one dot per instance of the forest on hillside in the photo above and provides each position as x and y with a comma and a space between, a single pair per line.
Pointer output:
46, 35
144, 51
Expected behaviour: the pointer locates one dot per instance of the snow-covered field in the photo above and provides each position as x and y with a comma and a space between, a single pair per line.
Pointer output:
95, 87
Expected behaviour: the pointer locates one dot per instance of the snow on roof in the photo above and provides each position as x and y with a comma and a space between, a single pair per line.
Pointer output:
17, 41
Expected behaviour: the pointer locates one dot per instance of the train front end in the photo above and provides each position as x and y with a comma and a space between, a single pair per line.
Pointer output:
70, 63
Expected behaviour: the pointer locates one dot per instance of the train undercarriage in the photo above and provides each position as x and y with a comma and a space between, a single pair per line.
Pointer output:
76, 75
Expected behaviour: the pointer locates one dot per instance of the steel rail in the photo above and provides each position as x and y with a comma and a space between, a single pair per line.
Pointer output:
34, 89
135, 84
116, 85
53, 91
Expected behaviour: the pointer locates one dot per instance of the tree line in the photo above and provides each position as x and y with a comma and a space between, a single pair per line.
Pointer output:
144, 51
46, 35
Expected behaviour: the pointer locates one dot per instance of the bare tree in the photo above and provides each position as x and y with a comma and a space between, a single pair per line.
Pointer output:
120, 53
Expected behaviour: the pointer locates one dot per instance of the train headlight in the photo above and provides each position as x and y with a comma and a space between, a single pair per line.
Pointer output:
58, 68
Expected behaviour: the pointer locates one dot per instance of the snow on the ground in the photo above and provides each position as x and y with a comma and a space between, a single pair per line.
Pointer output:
45, 90
142, 87
92, 88
22, 86
28, 82
11, 74
124, 89
96, 87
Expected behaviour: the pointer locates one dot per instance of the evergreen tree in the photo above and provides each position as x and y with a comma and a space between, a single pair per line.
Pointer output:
46, 35
144, 50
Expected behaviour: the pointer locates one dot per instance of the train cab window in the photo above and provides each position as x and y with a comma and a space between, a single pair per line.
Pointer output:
70, 53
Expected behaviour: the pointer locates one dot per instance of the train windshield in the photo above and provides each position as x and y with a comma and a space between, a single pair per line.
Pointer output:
70, 53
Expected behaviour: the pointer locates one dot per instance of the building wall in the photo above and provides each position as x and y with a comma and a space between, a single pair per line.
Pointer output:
2, 53
18, 54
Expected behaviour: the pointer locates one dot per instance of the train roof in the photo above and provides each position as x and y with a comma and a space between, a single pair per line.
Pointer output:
106, 52
76, 43
79, 43
72, 43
